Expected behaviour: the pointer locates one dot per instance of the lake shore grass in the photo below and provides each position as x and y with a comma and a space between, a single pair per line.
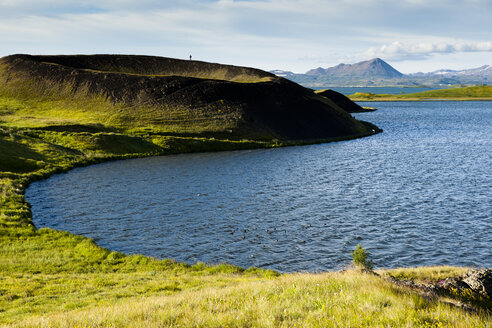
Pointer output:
52, 278
334, 299
474, 93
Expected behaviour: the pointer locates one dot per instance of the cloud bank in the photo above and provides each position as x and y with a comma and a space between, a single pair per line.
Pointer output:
291, 34
421, 51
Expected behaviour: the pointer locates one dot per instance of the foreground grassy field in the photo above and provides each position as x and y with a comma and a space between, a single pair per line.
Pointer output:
346, 299
52, 278
483, 92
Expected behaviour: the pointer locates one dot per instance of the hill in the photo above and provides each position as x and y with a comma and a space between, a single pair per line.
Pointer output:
370, 68
170, 96
372, 72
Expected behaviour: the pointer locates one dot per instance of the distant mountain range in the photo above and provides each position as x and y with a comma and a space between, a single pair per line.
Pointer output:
484, 71
377, 72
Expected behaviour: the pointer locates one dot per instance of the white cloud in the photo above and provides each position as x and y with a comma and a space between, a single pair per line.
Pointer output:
400, 51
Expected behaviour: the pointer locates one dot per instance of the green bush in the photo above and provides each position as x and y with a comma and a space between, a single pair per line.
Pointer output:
360, 258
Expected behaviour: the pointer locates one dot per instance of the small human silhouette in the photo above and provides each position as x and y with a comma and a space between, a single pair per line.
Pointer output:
190, 57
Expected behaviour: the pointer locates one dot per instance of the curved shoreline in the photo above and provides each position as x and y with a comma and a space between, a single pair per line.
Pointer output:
175, 256
64, 262
37, 176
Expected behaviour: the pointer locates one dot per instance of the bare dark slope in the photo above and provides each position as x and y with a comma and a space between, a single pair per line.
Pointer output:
343, 101
211, 97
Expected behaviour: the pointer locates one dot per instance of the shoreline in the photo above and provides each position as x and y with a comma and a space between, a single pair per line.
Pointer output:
473, 93
416, 99
23, 181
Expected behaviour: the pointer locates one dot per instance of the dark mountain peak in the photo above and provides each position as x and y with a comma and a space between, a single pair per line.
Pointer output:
375, 67
378, 68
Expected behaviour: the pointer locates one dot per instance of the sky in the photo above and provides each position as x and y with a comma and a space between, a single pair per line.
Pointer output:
411, 35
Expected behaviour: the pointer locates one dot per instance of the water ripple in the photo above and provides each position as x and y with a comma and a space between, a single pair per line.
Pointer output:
418, 194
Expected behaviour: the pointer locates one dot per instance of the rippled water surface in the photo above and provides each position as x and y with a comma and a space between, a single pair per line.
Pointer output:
420, 193
377, 90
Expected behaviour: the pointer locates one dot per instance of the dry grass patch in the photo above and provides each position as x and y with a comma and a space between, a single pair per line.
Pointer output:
425, 273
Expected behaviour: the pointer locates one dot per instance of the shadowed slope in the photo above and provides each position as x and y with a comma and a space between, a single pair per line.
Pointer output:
342, 101
171, 96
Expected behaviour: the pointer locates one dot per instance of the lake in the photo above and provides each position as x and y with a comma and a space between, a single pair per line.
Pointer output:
420, 193
377, 90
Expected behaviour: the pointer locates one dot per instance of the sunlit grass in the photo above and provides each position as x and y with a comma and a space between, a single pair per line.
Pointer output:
345, 299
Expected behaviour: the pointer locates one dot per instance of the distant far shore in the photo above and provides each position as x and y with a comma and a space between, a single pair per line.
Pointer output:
475, 93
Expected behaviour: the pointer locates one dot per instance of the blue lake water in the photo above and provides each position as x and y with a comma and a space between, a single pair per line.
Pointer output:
377, 90
420, 193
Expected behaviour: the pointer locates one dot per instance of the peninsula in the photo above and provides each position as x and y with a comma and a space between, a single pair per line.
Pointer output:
165, 96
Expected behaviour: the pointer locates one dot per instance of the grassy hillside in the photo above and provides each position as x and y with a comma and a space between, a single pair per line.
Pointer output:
483, 92
52, 278
137, 94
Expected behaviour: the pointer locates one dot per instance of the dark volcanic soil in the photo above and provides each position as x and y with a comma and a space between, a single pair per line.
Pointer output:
342, 101
261, 103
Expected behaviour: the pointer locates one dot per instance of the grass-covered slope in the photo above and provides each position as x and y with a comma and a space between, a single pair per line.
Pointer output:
482, 92
163, 95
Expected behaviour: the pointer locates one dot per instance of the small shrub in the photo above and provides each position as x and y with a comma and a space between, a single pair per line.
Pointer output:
360, 258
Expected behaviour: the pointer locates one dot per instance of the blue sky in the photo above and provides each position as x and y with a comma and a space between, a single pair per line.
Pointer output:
412, 35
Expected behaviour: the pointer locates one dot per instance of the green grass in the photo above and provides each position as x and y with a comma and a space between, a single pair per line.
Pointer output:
70, 272
34, 106
52, 278
482, 92
344, 299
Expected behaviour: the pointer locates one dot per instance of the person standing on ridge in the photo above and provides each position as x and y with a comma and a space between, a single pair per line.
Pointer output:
190, 57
